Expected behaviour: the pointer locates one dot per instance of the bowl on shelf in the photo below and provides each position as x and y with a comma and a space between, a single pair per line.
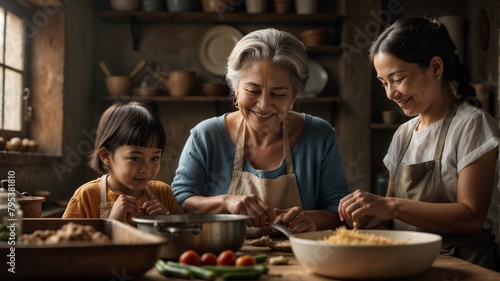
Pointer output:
181, 5
314, 37
119, 85
218, 6
212, 89
125, 5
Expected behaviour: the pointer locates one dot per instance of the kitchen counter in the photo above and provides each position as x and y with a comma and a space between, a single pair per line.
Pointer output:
444, 268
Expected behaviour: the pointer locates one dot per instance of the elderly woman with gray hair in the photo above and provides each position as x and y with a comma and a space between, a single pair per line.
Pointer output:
265, 160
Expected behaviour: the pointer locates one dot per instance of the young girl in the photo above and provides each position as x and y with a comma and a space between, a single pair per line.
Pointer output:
129, 143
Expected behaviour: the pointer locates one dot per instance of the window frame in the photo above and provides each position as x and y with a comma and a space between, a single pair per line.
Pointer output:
24, 13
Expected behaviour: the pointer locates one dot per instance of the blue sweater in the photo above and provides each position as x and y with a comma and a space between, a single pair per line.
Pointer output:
207, 161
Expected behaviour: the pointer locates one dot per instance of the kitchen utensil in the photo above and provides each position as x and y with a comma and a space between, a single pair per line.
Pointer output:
119, 85
282, 6
256, 6
389, 116
131, 253
214, 89
31, 205
306, 7
214, 5
318, 78
314, 37
180, 5
203, 233
139, 67
216, 45
125, 5
105, 68
179, 83
366, 261
152, 5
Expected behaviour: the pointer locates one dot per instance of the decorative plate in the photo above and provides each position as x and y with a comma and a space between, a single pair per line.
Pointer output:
317, 80
215, 47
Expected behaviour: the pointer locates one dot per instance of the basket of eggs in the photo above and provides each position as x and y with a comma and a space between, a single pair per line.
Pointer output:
18, 144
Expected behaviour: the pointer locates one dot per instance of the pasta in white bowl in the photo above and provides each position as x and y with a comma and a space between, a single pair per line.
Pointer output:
409, 253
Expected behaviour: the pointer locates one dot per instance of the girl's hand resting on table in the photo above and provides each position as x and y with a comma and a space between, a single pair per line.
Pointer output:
251, 205
295, 219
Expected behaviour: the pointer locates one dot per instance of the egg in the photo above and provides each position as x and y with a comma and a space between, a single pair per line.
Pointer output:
15, 141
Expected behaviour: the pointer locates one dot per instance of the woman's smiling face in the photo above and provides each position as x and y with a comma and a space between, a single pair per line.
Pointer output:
265, 95
407, 84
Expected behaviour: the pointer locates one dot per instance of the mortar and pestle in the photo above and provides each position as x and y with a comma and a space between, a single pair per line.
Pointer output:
121, 85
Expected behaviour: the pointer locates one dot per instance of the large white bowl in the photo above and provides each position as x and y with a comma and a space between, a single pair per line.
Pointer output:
363, 261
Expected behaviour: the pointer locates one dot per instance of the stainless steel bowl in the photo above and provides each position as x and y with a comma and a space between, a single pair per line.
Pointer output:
202, 233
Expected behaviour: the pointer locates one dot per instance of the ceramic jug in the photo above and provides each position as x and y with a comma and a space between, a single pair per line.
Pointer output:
179, 83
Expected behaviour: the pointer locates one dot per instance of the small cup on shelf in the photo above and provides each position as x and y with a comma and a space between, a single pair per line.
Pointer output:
390, 116
282, 6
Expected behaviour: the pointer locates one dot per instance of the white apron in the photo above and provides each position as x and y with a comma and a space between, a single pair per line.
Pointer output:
282, 192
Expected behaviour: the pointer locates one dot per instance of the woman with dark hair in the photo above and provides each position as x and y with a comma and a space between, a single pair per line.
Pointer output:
443, 163
129, 143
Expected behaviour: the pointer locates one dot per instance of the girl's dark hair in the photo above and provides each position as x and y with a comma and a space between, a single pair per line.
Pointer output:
126, 123
417, 40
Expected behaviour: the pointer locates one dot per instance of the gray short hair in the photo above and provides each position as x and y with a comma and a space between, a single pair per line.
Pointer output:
272, 46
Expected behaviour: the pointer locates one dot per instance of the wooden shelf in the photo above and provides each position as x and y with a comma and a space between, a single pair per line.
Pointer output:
169, 99
212, 17
136, 19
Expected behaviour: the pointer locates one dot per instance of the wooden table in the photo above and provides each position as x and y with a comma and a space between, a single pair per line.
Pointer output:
445, 268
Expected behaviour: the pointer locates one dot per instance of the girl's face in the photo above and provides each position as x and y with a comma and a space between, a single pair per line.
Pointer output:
265, 96
407, 84
132, 167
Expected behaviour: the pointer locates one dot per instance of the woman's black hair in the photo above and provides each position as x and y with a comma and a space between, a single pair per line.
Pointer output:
126, 123
417, 40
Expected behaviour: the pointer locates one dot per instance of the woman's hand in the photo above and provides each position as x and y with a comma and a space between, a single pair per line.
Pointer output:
361, 204
295, 219
153, 207
124, 208
251, 205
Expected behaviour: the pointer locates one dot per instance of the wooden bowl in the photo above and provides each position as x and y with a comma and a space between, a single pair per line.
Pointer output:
214, 89
214, 5
119, 85
314, 37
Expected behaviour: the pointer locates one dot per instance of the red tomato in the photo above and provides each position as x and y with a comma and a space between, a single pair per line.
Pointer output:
246, 260
227, 257
190, 257
208, 259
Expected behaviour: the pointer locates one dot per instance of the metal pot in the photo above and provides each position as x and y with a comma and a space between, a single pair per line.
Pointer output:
31, 205
202, 233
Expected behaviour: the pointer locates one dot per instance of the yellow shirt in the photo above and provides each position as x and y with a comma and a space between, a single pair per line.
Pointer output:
86, 200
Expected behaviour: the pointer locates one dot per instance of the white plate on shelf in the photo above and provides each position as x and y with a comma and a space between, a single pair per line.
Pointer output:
215, 47
318, 78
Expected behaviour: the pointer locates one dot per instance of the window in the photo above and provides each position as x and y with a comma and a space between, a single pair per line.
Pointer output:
12, 70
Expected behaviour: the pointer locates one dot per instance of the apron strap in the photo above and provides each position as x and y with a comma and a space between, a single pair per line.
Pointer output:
287, 151
102, 190
240, 143
444, 130
150, 193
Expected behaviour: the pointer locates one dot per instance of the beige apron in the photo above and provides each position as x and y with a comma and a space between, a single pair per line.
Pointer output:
422, 182
105, 206
282, 192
